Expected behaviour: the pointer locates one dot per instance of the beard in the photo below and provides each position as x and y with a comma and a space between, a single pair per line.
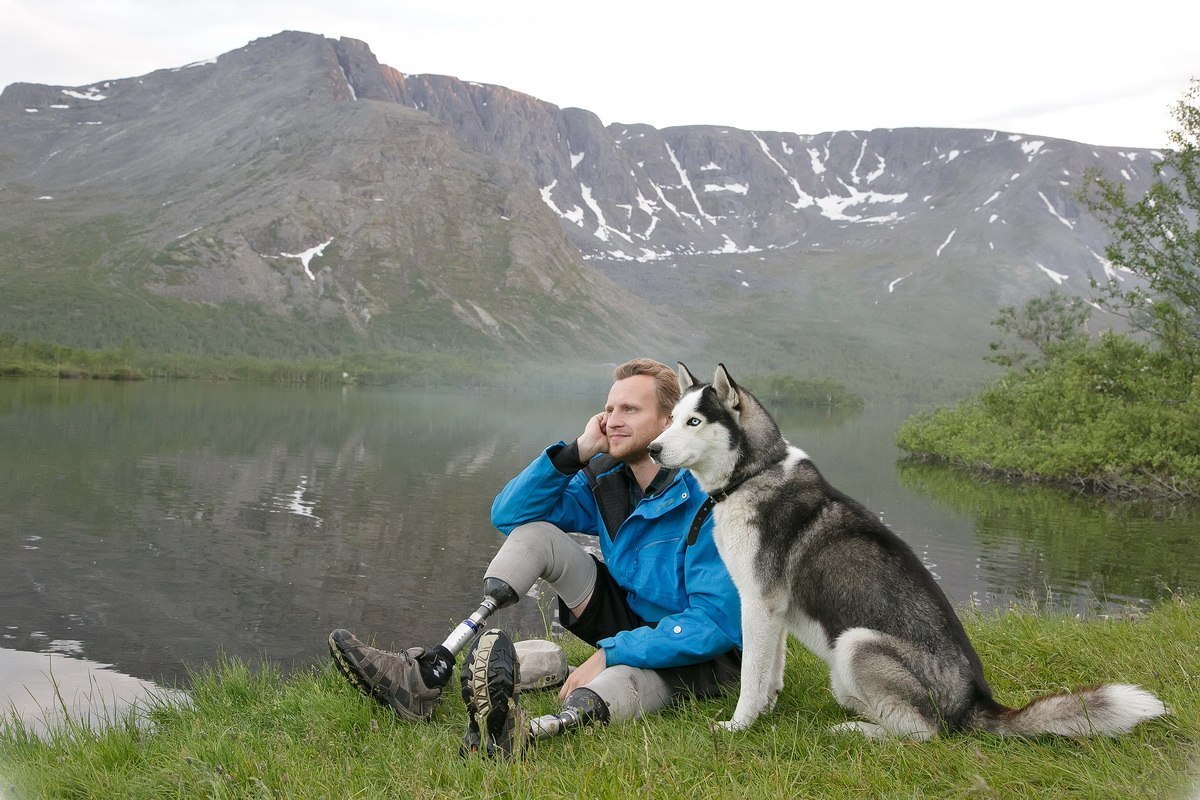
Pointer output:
628, 448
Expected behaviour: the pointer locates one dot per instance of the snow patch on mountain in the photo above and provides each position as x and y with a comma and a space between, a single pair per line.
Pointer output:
308, 255
943, 245
92, 94
1054, 212
1057, 277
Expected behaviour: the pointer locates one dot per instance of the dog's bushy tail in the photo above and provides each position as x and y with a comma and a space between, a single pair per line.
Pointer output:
1108, 710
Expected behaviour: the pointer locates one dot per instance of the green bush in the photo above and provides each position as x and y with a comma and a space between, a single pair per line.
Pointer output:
1112, 415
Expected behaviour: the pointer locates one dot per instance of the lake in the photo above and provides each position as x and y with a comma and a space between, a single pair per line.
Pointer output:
155, 526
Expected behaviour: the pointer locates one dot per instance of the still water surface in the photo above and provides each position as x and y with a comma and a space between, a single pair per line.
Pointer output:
155, 526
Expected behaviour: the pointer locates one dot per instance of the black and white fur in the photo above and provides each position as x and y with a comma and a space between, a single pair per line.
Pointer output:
810, 561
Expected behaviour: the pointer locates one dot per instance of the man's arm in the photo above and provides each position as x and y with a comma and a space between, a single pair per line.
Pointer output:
584, 674
546, 491
542, 492
709, 626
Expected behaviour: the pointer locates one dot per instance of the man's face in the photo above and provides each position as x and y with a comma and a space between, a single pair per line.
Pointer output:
633, 419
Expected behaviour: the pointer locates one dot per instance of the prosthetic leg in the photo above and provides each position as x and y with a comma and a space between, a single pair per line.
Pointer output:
411, 681
582, 706
496, 595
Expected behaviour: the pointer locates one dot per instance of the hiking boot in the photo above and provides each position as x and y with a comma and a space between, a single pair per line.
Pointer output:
393, 679
490, 674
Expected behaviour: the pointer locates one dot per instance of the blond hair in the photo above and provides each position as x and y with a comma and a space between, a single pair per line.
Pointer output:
666, 385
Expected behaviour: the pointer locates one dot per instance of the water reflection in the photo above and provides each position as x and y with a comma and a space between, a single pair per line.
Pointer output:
173, 521
1038, 540
56, 692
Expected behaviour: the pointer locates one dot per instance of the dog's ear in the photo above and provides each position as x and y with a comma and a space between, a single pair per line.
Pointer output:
686, 379
727, 390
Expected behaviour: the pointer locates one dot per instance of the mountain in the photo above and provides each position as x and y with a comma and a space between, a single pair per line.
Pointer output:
250, 205
296, 196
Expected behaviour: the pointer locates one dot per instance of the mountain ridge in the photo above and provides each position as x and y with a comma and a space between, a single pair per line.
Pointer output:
442, 214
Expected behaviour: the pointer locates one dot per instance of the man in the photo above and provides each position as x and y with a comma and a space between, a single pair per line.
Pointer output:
661, 609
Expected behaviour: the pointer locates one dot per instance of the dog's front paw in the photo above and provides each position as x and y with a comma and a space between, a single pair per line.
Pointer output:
734, 724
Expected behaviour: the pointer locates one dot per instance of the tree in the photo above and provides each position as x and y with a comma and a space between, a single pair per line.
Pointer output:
1157, 239
1044, 322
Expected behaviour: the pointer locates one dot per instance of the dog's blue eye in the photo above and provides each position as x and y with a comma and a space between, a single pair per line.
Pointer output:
693, 422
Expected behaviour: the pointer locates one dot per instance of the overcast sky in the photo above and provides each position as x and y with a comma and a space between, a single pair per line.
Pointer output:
1095, 72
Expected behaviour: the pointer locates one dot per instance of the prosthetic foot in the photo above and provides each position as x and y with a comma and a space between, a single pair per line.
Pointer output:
582, 707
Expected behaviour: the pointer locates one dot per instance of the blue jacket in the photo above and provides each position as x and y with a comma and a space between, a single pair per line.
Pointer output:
683, 590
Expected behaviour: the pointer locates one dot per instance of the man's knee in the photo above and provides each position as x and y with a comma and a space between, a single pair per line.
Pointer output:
630, 692
547, 546
534, 532
542, 550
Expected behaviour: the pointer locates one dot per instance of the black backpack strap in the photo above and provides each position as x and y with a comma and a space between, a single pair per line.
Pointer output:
698, 520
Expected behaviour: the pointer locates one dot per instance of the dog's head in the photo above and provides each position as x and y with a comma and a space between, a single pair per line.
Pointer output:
704, 434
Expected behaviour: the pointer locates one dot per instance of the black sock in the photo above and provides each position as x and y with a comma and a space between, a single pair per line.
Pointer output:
437, 666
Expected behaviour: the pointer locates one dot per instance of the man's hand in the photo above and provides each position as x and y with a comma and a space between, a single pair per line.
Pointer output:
594, 438
583, 674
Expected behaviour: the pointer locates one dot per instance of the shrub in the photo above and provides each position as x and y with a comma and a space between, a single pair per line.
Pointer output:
1112, 415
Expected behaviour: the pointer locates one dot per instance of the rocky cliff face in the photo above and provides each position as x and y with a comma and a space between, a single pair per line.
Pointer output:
631, 192
258, 180
300, 175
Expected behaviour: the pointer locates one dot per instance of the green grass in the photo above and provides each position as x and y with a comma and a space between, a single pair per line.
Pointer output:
252, 733
46, 360
381, 368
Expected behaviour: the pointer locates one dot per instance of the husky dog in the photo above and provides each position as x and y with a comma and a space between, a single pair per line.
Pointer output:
811, 561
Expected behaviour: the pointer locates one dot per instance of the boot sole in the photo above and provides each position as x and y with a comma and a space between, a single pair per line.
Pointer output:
490, 687
347, 667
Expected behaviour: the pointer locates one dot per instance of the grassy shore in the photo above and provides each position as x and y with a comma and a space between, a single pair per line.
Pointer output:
1111, 416
48, 360
251, 733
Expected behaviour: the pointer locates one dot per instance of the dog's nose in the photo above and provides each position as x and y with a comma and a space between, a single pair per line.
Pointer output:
655, 448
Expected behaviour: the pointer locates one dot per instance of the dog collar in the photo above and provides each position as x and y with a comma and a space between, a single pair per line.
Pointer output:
723, 494
714, 498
